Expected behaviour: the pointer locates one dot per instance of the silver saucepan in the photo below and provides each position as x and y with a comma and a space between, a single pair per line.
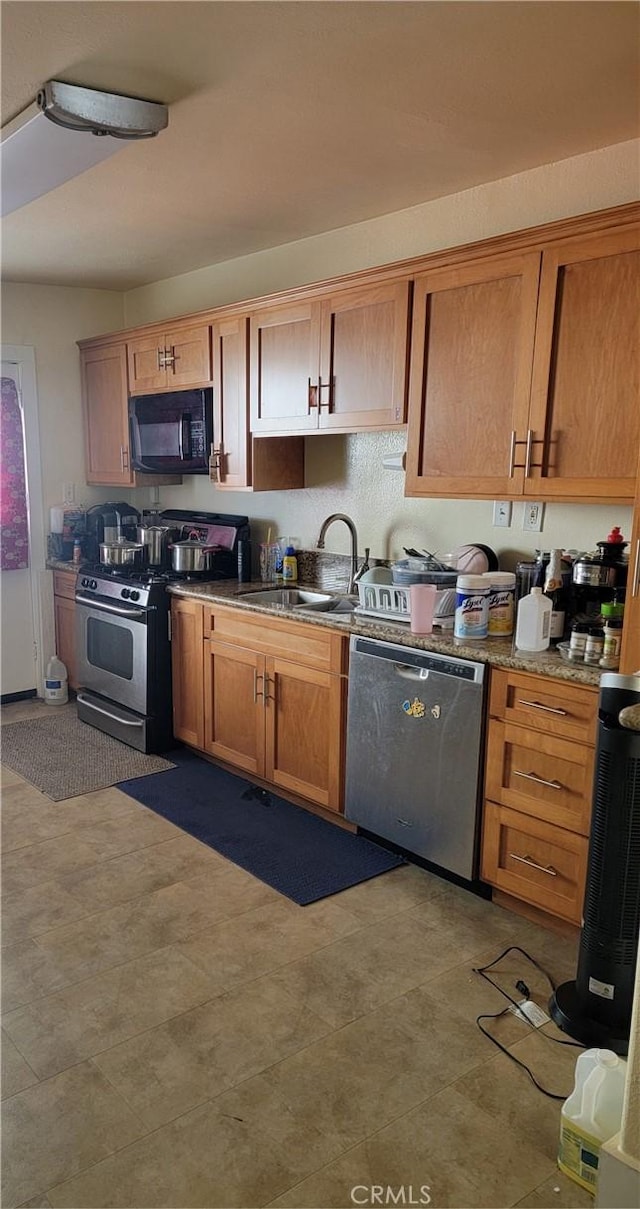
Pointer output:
156, 540
121, 554
188, 557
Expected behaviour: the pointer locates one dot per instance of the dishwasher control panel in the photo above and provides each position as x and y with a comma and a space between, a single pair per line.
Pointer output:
426, 661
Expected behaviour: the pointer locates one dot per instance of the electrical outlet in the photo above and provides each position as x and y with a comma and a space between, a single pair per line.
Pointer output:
154, 493
532, 519
502, 513
68, 493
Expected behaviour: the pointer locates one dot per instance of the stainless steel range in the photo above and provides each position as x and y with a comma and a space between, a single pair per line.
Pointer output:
123, 636
124, 657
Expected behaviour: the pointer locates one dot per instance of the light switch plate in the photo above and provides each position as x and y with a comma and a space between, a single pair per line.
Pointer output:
501, 514
68, 493
533, 516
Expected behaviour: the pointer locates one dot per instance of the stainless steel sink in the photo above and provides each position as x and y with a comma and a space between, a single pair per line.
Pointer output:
301, 600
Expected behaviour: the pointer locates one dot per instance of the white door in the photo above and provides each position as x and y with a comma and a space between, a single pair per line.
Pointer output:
22, 556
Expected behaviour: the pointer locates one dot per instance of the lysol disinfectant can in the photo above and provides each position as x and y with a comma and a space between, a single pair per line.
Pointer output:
502, 594
472, 607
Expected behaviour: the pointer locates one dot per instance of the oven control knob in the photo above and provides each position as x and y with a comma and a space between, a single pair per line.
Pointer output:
125, 593
84, 582
93, 584
135, 595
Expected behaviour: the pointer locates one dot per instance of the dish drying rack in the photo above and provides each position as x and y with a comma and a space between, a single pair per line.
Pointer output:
392, 603
384, 600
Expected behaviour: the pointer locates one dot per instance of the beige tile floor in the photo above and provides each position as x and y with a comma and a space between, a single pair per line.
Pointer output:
175, 1033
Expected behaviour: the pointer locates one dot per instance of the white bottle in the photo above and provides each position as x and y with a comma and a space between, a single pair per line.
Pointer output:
591, 1115
56, 691
534, 621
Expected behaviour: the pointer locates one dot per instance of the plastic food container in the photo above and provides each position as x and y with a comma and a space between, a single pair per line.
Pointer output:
421, 571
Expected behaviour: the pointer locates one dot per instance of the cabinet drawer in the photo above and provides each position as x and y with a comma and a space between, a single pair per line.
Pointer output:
542, 776
534, 861
555, 707
311, 645
64, 584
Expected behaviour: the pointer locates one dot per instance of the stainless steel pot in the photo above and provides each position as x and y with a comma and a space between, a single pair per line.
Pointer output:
121, 554
156, 540
189, 557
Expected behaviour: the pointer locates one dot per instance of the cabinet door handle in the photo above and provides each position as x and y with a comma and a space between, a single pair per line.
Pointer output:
324, 386
512, 453
528, 464
527, 860
312, 397
635, 588
214, 464
256, 691
549, 709
124, 459
266, 695
170, 356
162, 355
532, 776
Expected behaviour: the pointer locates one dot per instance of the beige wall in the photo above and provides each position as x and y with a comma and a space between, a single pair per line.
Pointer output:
51, 319
345, 473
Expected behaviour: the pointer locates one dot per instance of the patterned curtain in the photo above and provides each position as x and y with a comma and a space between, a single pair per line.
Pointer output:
14, 520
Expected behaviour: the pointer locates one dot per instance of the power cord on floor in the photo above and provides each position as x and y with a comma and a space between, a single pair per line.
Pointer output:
524, 990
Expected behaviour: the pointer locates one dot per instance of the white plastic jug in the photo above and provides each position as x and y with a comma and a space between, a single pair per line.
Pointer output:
533, 622
56, 691
591, 1115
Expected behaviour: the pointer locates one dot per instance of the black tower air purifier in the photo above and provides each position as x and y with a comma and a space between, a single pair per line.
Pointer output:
596, 1007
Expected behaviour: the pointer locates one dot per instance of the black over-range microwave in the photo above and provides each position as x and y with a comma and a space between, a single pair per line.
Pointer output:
171, 433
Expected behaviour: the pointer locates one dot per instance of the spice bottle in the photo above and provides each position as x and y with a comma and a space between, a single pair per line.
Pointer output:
578, 640
595, 644
612, 642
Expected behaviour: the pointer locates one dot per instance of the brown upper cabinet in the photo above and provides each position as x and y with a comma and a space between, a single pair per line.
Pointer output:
525, 374
106, 426
471, 354
105, 403
584, 422
332, 364
239, 461
173, 360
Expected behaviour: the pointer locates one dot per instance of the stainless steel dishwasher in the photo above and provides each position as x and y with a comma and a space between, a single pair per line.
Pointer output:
414, 744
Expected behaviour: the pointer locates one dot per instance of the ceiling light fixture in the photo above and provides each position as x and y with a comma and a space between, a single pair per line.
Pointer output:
40, 148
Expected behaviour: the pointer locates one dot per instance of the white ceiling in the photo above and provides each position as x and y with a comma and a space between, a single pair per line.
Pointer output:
288, 119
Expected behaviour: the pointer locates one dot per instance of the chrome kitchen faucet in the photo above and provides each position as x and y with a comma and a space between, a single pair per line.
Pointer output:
340, 516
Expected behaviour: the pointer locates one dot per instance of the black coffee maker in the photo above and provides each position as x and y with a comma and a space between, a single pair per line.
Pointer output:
600, 577
108, 522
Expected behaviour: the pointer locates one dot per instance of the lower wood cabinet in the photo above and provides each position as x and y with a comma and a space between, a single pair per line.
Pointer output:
271, 701
64, 605
187, 671
538, 790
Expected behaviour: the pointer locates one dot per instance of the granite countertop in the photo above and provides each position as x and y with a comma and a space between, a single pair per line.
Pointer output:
498, 652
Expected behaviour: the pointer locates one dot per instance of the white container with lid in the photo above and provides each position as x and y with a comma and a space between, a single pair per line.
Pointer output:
591, 1115
502, 595
533, 624
56, 690
472, 608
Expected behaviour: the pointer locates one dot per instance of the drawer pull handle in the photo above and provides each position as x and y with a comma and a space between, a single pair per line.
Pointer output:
532, 776
547, 708
527, 860
404, 822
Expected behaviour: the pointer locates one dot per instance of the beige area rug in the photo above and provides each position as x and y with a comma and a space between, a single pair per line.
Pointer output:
64, 757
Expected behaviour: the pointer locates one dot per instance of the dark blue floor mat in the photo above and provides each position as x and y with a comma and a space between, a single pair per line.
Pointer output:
297, 853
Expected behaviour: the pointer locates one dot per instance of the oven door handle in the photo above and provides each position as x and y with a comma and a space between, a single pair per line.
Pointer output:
107, 713
108, 608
